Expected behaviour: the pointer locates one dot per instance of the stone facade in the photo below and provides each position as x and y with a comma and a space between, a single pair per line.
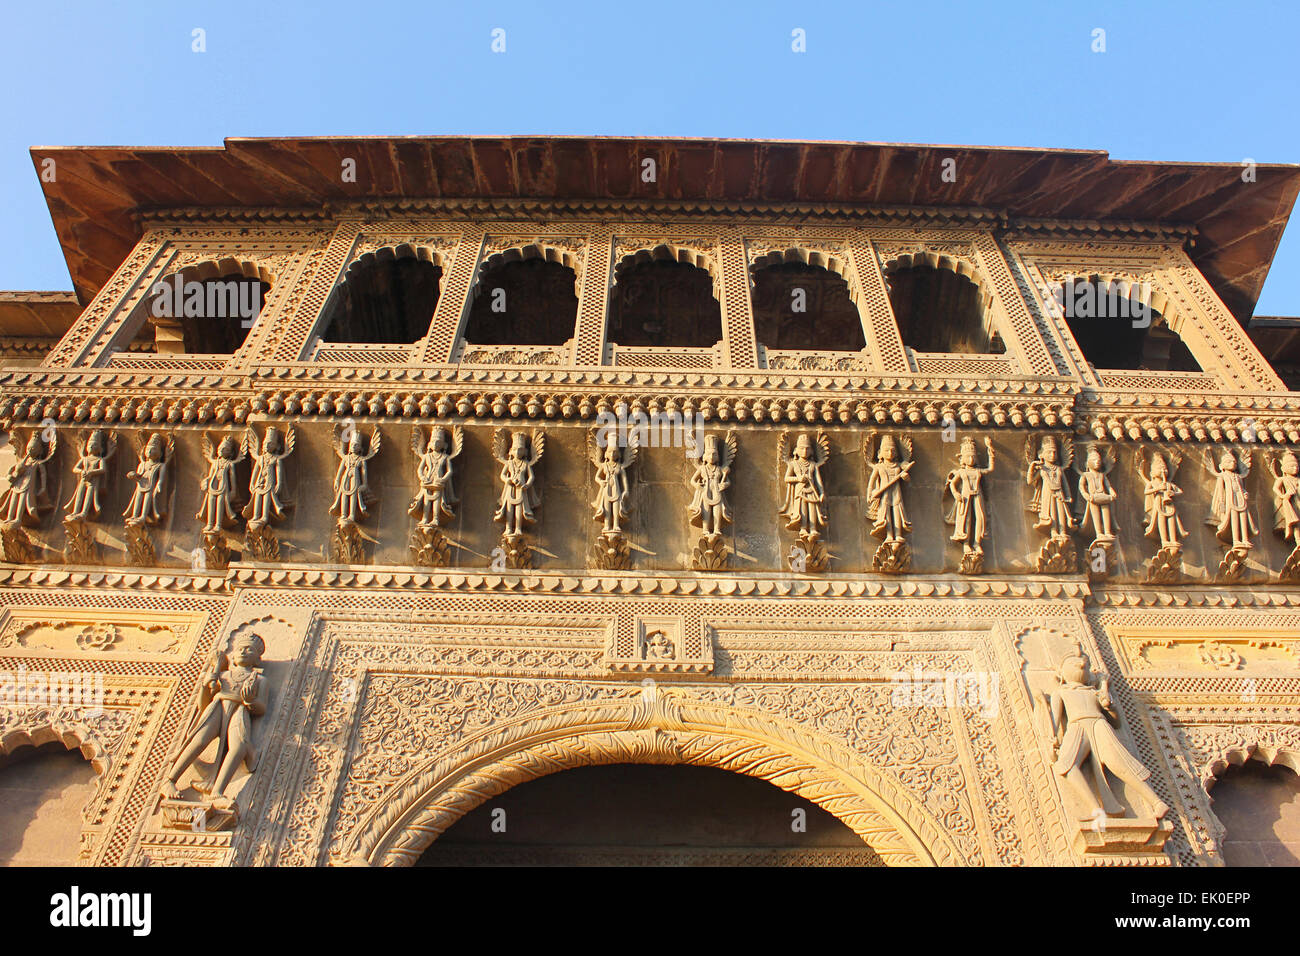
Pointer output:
420, 655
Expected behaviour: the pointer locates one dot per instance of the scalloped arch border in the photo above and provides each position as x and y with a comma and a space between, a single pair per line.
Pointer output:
674, 730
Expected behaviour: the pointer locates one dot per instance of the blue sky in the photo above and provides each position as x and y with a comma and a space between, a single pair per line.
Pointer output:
1187, 81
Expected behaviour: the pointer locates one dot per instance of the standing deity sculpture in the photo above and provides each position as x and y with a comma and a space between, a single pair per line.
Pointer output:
218, 487
613, 463
148, 504
708, 509
518, 455
1286, 508
887, 469
352, 497
1082, 716
968, 516
266, 485
804, 505
1096, 502
435, 500
1163, 523
233, 692
1052, 502
1230, 510
91, 470
25, 497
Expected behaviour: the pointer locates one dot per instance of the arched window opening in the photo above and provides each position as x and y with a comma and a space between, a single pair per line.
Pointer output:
524, 302
1259, 807
202, 316
662, 302
1117, 329
383, 300
805, 307
940, 310
644, 814
43, 791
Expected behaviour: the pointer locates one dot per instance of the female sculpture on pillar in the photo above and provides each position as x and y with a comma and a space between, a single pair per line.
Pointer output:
708, 509
1051, 502
1230, 511
352, 490
967, 517
518, 455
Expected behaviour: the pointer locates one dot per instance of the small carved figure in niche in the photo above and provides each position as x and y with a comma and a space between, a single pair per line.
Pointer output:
234, 691
91, 469
658, 646
1097, 495
266, 485
805, 495
1229, 511
218, 486
150, 476
967, 516
435, 502
1082, 714
24, 499
613, 487
351, 483
520, 496
1286, 508
1052, 497
1159, 492
887, 471
708, 509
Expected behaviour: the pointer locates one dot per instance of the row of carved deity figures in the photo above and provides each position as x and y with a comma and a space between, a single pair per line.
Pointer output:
1063, 505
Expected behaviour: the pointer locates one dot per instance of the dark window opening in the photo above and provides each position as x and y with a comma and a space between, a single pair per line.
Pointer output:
384, 302
524, 302
664, 303
1259, 807
939, 310
202, 317
798, 306
1103, 327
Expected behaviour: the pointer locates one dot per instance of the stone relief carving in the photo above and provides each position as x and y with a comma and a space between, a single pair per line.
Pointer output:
803, 508
1163, 523
1286, 508
233, 692
968, 516
613, 463
518, 455
148, 505
1230, 511
218, 508
435, 501
352, 495
24, 500
708, 509
1096, 502
91, 469
266, 488
887, 469
1052, 502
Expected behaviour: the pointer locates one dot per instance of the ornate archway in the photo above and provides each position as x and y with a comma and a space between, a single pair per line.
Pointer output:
657, 725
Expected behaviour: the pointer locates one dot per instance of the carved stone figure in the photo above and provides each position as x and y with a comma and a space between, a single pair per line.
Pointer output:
435, 500
1163, 524
804, 504
520, 498
613, 463
1097, 495
148, 498
1286, 508
25, 498
234, 691
708, 509
1052, 502
1081, 715
352, 495
266, 504
967, 515
1230, 511
885, 506
91, 469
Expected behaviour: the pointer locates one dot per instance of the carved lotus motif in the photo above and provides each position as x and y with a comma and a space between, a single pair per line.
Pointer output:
98, 637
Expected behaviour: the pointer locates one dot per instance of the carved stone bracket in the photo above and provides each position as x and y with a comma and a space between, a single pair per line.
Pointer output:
971, 563
139, 546
809, 555
1057, 556
611, 552
516, 551
18, 547
1291, 569
1166, 567
215, 551
710, 554
347, 544
429, 547
79, 545
261, 543
1232, 567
